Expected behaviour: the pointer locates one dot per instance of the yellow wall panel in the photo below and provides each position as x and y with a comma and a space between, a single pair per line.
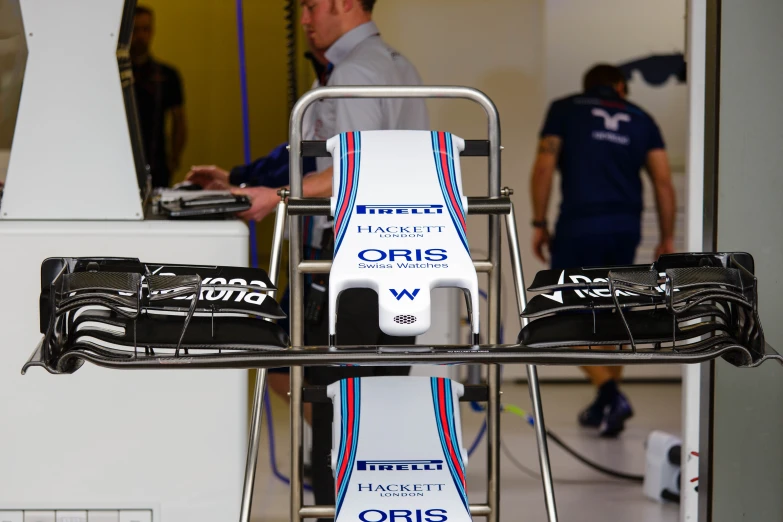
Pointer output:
200, 40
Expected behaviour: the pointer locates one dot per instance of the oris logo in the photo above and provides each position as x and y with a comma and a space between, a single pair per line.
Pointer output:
404, 515
374, 255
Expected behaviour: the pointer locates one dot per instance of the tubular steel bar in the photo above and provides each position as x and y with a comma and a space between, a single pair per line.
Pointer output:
532, 372
477, 510
419, 354
321, 206
317, 394
260, 385
323, 266
253, 444
472, 148
493, 266
297, 118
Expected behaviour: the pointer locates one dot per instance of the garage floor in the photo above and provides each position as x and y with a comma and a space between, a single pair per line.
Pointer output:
582, 494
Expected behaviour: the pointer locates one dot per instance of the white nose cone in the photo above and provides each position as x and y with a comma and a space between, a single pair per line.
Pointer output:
404, 311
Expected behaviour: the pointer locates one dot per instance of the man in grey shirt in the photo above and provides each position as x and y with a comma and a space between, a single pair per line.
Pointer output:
345, 33
357, 56
350, 40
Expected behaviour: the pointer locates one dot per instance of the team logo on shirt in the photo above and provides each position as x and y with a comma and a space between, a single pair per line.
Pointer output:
612, 125
611, 121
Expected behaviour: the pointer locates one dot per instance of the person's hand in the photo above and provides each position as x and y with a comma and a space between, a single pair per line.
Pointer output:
666, 246
540, 240
210, 177
263, 201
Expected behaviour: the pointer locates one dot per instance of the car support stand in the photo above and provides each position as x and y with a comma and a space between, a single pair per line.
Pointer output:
299, 206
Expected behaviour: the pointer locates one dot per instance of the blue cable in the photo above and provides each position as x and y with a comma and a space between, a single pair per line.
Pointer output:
478, 408
478, 437
245, 119
272, 453
251, 223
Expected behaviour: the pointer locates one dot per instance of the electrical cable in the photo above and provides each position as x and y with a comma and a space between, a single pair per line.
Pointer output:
478, 438
594, 465
521, 467
519, 412
534, 474
272, 452
290, 35
514, 410
245, 118
251, 224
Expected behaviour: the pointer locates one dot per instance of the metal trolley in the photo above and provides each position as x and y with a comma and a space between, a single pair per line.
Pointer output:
496, 204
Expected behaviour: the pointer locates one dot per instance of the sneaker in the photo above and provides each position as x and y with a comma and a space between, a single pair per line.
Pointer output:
614, 416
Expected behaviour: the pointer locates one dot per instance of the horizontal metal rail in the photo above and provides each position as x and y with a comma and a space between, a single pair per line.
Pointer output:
471, 393
324, 266
317, 149
322, 206
477, 510
408, 355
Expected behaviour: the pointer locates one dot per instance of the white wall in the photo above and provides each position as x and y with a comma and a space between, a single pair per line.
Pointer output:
579, 34
523, 54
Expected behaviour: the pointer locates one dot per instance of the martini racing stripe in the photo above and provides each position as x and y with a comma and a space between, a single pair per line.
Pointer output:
350, 397
442, 148
444, 419
350, 162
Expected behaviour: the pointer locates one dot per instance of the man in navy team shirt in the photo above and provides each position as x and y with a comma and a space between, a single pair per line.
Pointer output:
599, 142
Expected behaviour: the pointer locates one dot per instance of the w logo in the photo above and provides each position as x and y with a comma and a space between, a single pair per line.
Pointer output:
611, 123
405, 293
